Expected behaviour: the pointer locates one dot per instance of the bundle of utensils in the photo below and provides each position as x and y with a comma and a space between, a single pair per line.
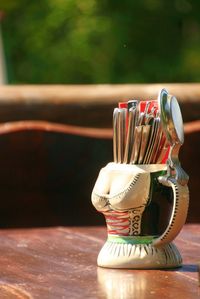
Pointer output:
137, 134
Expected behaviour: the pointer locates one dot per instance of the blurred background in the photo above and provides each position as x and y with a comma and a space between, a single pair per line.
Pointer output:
107, 41
46, 178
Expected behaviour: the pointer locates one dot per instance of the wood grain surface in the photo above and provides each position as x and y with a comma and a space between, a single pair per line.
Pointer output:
60, 262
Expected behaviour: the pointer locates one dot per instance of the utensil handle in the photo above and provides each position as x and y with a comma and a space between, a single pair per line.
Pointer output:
115, 137
129, 137
121, 127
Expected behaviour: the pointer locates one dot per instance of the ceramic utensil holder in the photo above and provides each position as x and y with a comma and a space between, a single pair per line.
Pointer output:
145, 206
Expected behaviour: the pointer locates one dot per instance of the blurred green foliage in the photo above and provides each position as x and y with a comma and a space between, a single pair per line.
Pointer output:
106, 41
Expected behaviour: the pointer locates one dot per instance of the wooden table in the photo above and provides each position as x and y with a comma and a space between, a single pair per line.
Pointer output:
60, 262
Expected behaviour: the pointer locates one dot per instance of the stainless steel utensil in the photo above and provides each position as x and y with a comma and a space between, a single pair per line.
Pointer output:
156, 141
144, 142
121, 128
115, 134
172, 124
163, 148
154, 136
133, 115
150, 116
136, 144
137, 114
150, 143
130, 133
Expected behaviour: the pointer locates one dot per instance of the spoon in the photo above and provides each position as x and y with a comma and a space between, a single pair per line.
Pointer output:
172, 123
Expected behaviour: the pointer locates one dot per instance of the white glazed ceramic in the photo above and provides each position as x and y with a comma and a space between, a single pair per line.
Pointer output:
121, 193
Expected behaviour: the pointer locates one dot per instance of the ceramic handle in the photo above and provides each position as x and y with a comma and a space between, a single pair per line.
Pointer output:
179, 210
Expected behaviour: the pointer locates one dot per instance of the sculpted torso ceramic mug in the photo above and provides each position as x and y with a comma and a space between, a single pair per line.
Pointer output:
145, 205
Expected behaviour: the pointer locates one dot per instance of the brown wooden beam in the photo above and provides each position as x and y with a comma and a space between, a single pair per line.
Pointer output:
87, 105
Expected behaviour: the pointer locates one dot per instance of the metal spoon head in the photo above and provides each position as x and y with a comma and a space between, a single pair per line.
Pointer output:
171, 118
177, 119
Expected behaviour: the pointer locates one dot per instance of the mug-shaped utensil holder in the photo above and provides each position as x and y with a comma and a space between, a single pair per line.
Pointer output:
143, 194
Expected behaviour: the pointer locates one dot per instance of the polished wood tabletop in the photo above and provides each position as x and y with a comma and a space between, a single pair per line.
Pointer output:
60, 262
